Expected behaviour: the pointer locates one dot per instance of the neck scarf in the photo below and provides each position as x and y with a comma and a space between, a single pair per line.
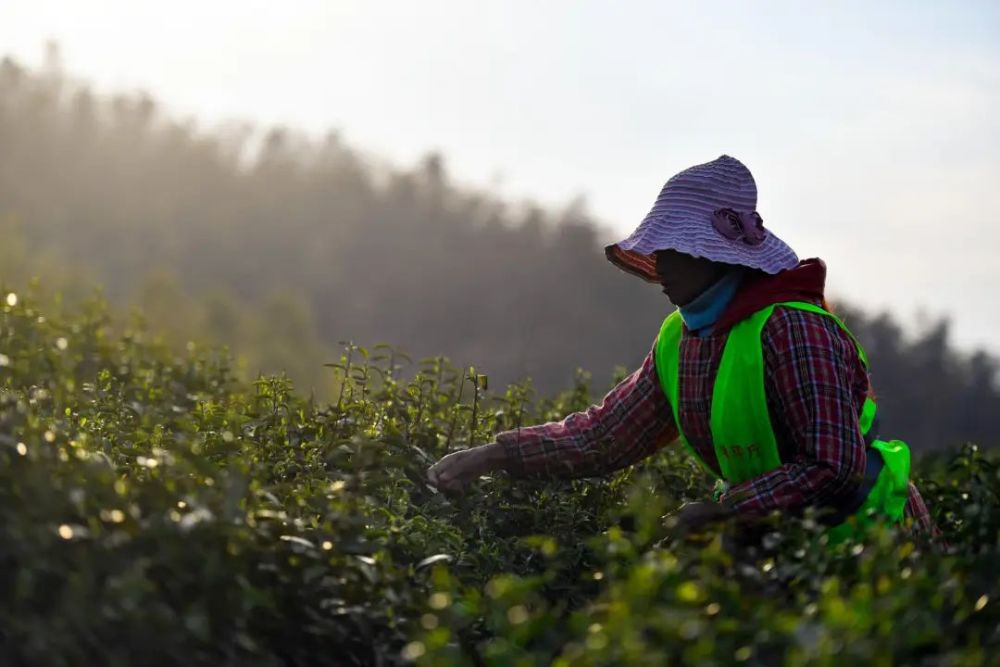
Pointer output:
701, 314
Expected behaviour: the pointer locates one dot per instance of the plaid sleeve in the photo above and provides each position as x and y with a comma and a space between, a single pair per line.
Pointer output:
916, 510
631, 422
813, 377
917, 518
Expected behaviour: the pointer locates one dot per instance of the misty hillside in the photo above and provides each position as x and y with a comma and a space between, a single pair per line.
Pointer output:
282, 245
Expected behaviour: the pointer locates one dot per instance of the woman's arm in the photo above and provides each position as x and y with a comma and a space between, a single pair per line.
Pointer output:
631, 422
815, 384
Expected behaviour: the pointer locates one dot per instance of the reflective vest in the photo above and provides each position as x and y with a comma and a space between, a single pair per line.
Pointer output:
744, 440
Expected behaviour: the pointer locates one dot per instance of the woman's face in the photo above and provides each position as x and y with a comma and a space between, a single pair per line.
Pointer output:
684, 277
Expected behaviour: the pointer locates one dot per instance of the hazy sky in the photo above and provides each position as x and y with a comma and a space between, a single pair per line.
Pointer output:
872, 128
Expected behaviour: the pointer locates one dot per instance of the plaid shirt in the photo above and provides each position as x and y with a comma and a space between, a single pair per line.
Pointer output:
815, 384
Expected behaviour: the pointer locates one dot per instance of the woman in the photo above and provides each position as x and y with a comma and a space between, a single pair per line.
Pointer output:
766, 387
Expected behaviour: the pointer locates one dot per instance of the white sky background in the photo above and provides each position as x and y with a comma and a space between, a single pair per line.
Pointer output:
872, 128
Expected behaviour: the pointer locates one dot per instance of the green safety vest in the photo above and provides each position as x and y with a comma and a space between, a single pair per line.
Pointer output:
742, 435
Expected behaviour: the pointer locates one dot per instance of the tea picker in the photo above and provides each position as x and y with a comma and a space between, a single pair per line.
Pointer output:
752, 373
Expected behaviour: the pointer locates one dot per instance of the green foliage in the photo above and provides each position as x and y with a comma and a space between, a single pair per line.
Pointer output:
156, 510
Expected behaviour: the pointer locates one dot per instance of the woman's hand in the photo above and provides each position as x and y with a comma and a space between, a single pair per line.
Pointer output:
453, 472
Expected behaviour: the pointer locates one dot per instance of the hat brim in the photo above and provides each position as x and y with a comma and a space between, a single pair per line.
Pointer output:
637, 264
636, 254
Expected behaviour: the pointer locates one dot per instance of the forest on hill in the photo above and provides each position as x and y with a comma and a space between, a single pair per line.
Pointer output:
281, 245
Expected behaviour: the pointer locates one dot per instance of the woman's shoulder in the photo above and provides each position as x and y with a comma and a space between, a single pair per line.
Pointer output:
804, 332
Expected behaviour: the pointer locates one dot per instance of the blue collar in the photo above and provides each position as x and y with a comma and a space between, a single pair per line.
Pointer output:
701, 314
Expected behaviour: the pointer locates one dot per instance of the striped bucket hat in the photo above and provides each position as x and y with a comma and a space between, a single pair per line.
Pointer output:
707, 210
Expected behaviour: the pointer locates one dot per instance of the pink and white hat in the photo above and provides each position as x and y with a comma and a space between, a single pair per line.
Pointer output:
707, 210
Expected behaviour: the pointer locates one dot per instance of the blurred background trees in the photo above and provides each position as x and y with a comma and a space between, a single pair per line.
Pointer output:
280, 245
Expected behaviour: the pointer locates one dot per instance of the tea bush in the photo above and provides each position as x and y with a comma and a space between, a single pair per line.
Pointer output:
155, 510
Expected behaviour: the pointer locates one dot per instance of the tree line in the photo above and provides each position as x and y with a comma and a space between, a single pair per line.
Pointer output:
283, 244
